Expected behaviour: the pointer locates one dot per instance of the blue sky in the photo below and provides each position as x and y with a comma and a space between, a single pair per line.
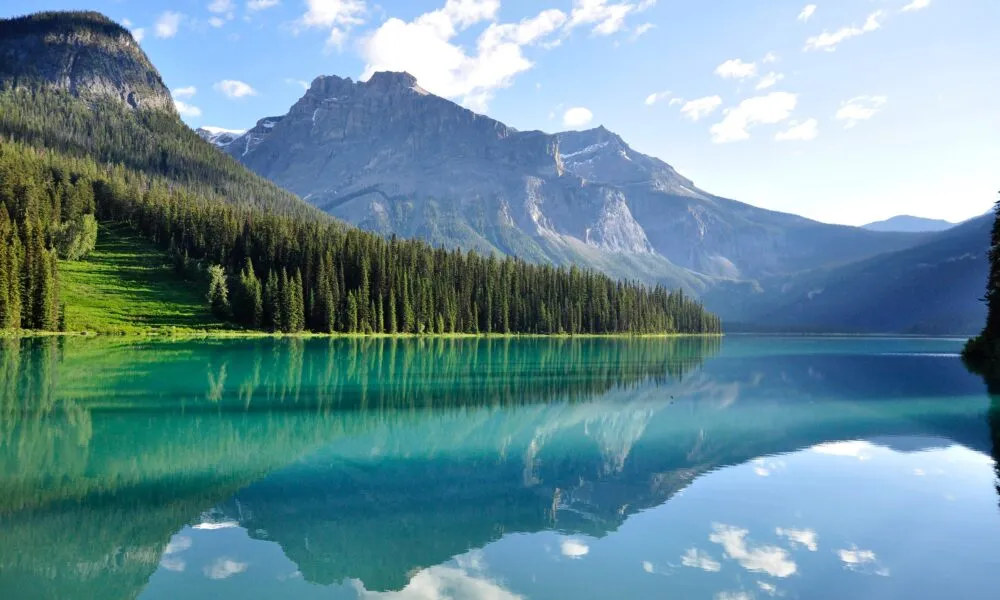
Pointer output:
845, 111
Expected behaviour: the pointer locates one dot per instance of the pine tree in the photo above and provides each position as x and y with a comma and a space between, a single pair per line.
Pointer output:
248, 306
392, 313
297, 318
272, 302
287, 302
352, 312
218, 292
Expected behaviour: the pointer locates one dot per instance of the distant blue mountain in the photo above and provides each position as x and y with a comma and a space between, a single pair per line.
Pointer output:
909, 224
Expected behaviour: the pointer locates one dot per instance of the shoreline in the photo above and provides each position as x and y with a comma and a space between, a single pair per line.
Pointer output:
236, 334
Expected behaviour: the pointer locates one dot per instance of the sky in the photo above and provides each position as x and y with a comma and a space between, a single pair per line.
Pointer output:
844, 111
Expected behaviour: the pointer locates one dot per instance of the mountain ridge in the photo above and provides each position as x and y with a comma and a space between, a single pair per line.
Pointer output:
388, 156
909, 223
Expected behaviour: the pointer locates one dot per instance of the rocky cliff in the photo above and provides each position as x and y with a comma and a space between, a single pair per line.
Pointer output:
387, 155
83, 53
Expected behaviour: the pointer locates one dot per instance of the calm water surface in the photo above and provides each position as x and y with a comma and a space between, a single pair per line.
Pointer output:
494, 470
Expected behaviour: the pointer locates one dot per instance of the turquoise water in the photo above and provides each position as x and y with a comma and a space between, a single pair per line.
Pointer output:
747, 467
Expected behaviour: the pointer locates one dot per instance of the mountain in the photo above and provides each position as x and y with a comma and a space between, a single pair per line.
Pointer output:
88, 144
83, 53
218, 136
390, 157
932, 288
908, 223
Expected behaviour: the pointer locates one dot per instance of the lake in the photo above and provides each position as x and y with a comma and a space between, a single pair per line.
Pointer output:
724, 469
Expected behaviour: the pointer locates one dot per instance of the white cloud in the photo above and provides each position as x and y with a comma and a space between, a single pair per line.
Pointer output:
216, 22
807, 12
859, 109
763, 467
736, 69
184, 92
768, 110
762, 559
799, 132
424, 47
177, 544
768, 588
642, 30
441, 583
167, 24
232, 88
770, 57
700, 560
916, 5
769, 80
605, 18
862, 561
648, 567
830, 40
577, 117
675, 101
734, 596
339, 16
656, 97
800, 537
224, 568
854, 556
222, 7
173, 563
255, 5
299, 82
858, 449
211, 526
701, 108
574, 548
139, 34
186, 110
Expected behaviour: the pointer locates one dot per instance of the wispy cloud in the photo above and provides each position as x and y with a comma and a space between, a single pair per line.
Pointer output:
829, 41
807, 12
657, 97
701, 108
604, 18
769, 80
761, 110
232, 88
805, 131
167, 24
736, 69
255, 5
861, 108
916, 5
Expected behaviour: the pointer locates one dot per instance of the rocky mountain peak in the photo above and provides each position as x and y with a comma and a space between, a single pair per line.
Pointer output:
392, 80
83, 53
359, 128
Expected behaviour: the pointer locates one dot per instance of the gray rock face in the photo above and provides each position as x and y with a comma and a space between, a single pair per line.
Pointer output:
388, 156
83, 53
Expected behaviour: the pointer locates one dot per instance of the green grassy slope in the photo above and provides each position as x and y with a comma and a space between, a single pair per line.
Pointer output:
126, 285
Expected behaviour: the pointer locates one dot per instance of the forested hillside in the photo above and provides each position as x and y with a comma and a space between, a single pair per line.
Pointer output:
267, 260
982, 353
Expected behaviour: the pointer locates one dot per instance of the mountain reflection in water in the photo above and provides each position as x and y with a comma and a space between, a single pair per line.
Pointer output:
373, 463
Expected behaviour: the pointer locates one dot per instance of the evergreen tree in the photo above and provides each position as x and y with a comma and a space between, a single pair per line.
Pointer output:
272, 302
218, 292
249, 305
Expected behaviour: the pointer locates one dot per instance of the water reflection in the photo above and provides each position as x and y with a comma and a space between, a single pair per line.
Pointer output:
401, 469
